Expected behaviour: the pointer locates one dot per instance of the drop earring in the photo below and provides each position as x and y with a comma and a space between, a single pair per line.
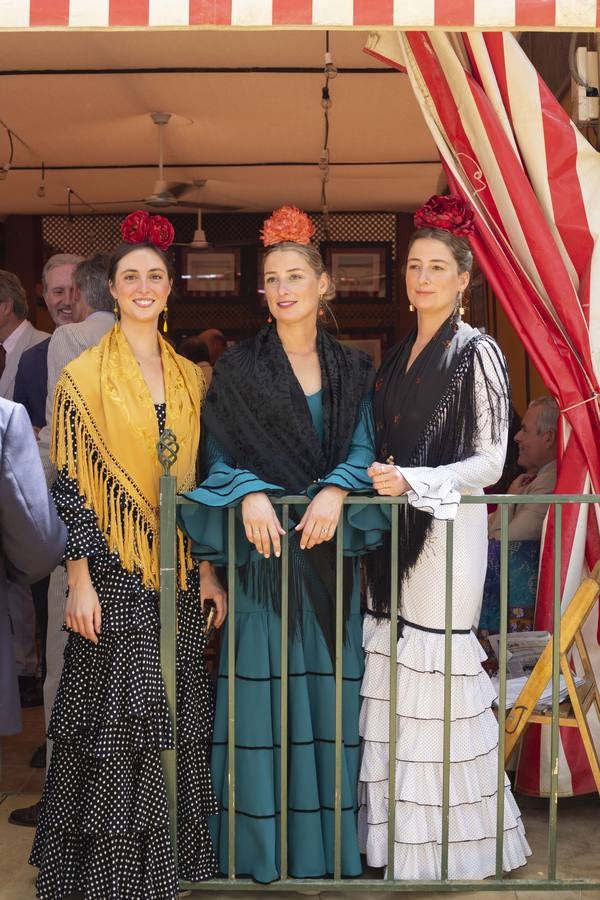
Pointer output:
165, 313
459, 303
116, 312
411, 307
321, 306
269, 319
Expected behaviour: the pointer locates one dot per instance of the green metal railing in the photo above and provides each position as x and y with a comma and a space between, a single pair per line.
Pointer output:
168, 504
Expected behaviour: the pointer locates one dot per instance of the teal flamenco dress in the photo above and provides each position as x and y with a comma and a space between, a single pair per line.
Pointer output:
311, 691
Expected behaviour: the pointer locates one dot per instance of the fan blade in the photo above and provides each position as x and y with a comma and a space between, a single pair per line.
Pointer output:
200, 204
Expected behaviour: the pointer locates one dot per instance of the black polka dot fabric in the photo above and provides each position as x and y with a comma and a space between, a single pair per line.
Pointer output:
103, 831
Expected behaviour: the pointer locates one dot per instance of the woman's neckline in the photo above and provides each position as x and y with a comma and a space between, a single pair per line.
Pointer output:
314, 394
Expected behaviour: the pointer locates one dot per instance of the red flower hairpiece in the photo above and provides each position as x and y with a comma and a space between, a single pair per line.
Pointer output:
288, 223
448, 213
140, 227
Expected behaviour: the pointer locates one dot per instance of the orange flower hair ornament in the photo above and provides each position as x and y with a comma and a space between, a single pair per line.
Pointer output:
140, 227
448, 213
288, 223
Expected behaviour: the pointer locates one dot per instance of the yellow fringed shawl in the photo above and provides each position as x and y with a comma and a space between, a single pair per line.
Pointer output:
103, 398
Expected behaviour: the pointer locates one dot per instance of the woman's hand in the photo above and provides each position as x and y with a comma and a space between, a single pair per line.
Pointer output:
321, 517
262, 526
387, 480
83, 613
212, 589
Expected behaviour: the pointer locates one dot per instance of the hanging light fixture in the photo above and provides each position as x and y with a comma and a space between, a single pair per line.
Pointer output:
330, 71
41, 191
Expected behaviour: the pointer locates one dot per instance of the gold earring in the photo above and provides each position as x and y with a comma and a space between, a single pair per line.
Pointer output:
321, 306
461, 309
165, 313
116, 312
269, 319
411, 307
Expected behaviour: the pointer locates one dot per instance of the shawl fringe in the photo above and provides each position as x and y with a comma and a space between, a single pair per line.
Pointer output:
128, 522
450, 435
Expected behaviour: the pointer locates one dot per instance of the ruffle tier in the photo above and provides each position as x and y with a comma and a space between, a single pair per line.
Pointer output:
104, 824
419, 755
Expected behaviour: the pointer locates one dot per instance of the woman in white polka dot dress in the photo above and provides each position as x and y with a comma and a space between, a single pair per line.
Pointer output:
441, 416
103, 832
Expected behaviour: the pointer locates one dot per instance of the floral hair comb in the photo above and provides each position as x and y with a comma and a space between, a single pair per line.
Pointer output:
288, 223
141, 227
448, 213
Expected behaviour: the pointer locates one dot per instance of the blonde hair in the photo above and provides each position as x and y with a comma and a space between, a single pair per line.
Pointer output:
313, 258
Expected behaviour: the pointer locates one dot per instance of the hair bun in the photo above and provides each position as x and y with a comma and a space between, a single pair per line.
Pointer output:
288, 223
448, 213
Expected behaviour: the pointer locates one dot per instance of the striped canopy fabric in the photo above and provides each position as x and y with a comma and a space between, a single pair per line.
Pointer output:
576, 15
509, 147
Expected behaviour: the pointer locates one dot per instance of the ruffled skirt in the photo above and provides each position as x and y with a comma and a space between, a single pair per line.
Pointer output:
310, 751
419, 756
104, 824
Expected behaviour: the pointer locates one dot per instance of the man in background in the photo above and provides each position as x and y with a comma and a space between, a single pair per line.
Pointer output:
536, 441
17, 335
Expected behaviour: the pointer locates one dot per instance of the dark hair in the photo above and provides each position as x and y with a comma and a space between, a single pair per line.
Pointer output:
12, 289
313, 258
194, 349
123, 249
458, 246
91, 277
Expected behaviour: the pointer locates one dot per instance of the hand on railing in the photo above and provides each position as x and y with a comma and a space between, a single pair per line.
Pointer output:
262, 526
212, 589
387, 480
321, 516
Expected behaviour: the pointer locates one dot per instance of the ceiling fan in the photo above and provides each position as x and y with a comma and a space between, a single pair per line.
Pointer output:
166, 194
199, 241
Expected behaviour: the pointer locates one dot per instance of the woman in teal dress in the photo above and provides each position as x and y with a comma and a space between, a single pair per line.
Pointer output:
288, 412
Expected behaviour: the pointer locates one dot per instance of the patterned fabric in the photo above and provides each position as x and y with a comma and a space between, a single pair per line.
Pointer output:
523, 564
100, 396
419, 660
104, 825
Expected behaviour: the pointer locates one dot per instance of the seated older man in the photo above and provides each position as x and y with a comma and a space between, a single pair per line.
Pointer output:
536, 441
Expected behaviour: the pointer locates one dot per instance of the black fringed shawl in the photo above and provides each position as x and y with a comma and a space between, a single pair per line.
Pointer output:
431, 416
258, 413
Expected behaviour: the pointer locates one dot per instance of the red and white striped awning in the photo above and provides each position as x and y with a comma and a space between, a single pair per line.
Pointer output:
572, 15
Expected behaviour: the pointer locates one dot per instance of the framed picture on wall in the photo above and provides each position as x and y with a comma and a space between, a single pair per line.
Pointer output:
360, 271
210, 273
375, 341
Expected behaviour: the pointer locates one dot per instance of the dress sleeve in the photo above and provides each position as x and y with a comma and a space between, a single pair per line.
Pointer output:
351, 475
438, 490
204, 520
84, 538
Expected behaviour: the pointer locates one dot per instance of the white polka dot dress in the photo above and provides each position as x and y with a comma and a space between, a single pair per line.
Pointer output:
420, 695
104, 826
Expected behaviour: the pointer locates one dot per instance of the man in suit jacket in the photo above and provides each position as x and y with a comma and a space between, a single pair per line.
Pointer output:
32, 537
32, 374
16, 334
92, 309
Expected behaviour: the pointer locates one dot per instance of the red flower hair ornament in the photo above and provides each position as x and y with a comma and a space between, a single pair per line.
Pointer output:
140, 227
288, 223
448, 213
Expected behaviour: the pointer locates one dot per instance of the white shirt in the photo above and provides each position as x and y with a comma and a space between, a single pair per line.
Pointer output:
10, 342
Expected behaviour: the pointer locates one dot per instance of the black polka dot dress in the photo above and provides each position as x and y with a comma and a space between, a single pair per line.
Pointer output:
103, 831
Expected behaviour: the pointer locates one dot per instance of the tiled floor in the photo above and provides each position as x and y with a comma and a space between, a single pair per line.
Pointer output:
578, 842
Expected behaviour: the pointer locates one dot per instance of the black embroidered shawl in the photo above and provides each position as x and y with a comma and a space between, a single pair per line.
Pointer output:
257, 411
430, 416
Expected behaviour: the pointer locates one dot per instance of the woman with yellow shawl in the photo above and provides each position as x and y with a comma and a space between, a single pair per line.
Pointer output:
103, 831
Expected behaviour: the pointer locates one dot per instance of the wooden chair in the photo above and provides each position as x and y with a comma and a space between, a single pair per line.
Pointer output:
574, 710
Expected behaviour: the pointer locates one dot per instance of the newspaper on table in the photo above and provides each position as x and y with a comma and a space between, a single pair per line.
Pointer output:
524, 648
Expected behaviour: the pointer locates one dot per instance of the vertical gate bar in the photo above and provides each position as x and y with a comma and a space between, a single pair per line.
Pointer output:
447, 697
231, 692
339, 627
554, 734
283, 741
502, 686
168, 636
392, 725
